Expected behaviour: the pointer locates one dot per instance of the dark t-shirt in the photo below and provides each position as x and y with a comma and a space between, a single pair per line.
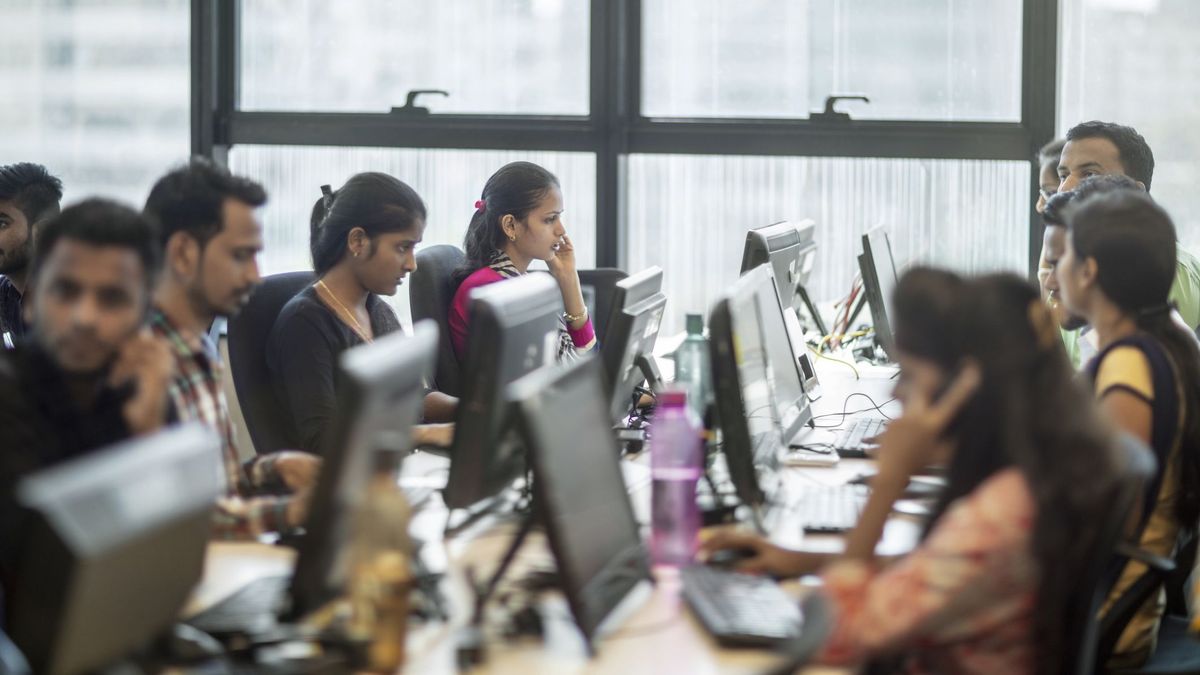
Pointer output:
12, 325
41, 425
302, 356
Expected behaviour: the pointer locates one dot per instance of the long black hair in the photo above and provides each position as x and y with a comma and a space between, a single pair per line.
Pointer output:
516, 189
1132, 240
1029, 412
376, 202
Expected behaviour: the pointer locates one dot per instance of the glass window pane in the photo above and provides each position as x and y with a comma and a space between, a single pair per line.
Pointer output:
448, 180
493, 56
915, 59
97, 92
1134, 62
689, 215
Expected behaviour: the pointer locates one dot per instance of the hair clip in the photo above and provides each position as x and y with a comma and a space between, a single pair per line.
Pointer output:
480, 205
327, 197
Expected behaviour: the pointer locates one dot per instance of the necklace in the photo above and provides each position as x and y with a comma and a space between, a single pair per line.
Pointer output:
343, 312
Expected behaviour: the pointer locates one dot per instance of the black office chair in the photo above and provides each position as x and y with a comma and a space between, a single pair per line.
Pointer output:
599, 286
430, 293
1177, 651
248, 332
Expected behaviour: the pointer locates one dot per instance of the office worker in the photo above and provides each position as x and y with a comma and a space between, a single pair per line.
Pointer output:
518, 219
1047, 160
1116, 273
209, 239
364, 238
29, 194
90, 374
987, 389
1103, 148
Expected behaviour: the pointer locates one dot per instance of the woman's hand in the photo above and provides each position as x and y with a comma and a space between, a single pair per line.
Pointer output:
437, 435
562, 265
762, 557
914, 440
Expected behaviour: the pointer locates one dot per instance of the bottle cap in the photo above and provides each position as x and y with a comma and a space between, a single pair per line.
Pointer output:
695, 324
672, 397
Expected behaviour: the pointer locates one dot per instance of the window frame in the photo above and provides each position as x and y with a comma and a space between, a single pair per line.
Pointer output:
615, 126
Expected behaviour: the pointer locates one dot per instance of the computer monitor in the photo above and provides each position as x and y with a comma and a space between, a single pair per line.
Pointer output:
879, 282
579, 493
792, 252
115, 544
514, 328
628, 351
756, 391
380, 400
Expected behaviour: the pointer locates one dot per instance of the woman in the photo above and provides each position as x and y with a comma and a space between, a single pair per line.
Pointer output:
364, 238
986, 389
1117, 273
518, 219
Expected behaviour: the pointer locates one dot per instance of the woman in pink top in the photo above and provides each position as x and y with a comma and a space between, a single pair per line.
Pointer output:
987, 389
517, 220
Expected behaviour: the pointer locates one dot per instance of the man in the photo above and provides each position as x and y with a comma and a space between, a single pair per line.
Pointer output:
1047, 159
28, 195
90, 373
210, 239
1103, 148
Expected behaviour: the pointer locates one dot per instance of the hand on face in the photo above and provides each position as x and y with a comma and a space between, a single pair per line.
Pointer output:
562, 264
914, 440
146, 363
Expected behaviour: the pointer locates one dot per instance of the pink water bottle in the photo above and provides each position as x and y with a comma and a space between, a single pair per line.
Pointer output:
676, 464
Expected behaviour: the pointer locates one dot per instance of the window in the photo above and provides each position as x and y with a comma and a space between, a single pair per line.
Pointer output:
689, 215
1132, 62
915, 59
98, 92
448, 180
492, 56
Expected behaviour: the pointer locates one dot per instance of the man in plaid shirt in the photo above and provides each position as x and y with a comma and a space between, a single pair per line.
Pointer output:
210, 241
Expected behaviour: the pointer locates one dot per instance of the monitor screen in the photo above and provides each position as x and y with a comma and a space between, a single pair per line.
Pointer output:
514, 328
879, 282
790, 249
114, 546
579, 488
380, 402
785, 378
638, 305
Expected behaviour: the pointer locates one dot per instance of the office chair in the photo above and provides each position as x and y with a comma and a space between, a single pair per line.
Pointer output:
1177, 651
1091, 590
817, 626
430, 293
12, 661
600, 284
247, 335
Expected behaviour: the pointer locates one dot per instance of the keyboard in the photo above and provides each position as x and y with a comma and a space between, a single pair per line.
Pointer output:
741, 610
250, 610
831, 508
849, 442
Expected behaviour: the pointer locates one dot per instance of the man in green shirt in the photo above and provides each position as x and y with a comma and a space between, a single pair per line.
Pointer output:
1099, 149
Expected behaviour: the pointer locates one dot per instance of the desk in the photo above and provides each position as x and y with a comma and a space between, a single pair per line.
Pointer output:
659, 635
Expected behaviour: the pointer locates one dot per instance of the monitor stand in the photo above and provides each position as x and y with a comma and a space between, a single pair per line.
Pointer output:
812, 309
649, 368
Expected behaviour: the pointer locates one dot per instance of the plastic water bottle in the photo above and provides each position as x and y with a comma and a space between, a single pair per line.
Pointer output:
676, 464
693, 369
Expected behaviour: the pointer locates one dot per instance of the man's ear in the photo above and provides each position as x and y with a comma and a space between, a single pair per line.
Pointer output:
182, 255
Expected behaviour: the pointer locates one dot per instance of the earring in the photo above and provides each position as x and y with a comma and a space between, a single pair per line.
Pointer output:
512, 237
356, 254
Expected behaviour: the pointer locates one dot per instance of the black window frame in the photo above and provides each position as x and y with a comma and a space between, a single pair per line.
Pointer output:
615, 127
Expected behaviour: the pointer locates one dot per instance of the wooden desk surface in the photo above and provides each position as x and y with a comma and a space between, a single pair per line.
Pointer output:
657, 635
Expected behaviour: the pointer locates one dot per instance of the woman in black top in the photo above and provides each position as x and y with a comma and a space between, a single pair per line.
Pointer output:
364, 236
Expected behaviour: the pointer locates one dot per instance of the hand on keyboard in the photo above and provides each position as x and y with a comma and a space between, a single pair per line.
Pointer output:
758, 556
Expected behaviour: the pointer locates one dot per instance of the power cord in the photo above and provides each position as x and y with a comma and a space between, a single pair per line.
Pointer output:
878, 407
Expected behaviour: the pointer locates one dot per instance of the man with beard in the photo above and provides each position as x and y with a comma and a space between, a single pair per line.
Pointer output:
28, 195
210, 240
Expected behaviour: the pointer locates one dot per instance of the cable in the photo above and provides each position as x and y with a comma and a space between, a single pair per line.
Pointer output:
844, 363
878, 407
